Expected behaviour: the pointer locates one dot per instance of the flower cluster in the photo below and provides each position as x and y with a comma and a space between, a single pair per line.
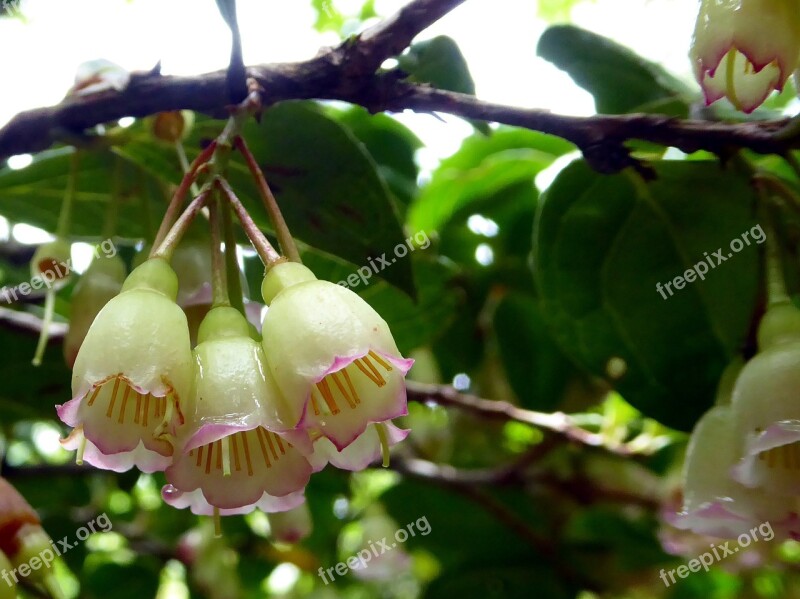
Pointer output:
236, 422
744, 49
743, 459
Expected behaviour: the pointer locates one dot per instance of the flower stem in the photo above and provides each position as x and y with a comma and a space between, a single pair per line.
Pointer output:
177, 199
285, 238
174, 235
773, 266
268, 255
112, 211
235, 293
65, 216
49, 309
219, 286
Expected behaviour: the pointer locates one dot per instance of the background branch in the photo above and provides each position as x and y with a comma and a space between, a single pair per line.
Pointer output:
349, 72
557, 422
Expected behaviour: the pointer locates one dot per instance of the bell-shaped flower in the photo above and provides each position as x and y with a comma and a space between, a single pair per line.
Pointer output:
131, 375
714, 504
766, 407
229, 460
332, 356
97, 286
744, 49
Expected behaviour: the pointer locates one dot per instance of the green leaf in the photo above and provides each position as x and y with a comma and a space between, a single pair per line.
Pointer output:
438, 61
619, 79
536, 367
391, 145
327, 186
603, 243
480, 169
34, 194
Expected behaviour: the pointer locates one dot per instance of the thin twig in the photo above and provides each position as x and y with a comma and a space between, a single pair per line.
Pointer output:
557, 422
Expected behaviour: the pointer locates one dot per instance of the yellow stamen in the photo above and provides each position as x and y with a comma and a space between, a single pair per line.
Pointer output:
247, 455
350, 385
208, 459
380, 361
146, 409
383, 435
325, 390
113, 398
121, 419
199, 456
138, 407
259, 432
369, 370
344, 393
94, 396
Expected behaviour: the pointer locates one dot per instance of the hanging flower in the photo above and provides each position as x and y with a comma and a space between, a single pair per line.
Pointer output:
332, 356
765, 406
131, 375
97, 286
744, 49
229, 458
714, 504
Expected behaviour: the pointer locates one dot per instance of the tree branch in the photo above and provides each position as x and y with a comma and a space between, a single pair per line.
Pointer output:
557, 422
349, 72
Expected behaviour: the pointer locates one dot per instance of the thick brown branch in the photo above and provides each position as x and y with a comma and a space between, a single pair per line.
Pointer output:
349, 72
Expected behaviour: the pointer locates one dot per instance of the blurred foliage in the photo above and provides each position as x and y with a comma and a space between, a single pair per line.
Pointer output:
532, 279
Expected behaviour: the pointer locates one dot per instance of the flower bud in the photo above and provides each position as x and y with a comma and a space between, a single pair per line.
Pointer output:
51, 262
172, 126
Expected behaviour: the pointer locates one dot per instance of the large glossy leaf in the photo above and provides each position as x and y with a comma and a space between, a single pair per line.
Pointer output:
536, 368
619, 79
34, 194
481, 168
603, 243
392, 146
327, 184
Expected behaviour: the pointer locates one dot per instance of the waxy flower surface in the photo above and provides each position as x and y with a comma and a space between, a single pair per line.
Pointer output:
744, 49
766, 409
334, 359
101, 282
229, 458
131, 374
714, 503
